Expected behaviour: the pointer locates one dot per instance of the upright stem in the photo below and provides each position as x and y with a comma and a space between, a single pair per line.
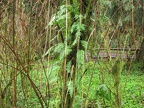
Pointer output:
64, 95
133, 28
1, 100
14, 73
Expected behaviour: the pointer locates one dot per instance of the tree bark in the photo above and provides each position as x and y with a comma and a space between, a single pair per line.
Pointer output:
140, 54
86, 6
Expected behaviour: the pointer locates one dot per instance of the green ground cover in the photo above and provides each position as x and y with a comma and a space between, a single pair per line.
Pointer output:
95, 87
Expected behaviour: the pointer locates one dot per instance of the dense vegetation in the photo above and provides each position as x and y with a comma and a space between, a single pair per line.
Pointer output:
71, 53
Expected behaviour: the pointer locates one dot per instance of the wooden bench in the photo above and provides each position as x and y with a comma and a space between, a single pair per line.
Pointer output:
123, 53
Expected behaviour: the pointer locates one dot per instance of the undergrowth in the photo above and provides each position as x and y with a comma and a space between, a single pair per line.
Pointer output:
96, 92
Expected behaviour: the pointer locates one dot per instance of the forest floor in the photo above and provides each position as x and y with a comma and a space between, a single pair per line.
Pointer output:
132, 87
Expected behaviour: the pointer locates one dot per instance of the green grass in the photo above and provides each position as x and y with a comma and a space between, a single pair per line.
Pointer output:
132, 88
134, 91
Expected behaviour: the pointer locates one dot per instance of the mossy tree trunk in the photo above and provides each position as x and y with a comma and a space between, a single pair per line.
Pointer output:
140, 54
85, 10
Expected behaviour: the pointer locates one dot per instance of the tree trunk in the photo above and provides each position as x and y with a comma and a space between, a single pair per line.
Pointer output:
85, 10
140, 54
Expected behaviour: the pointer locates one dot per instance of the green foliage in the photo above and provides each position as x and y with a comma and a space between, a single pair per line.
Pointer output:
117, 68
84, 44
59, 48
136, 67
68, 67
59, 17
132, 95
77, 28
104, 92
80, 58
108, 18
62, 50
70, 87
